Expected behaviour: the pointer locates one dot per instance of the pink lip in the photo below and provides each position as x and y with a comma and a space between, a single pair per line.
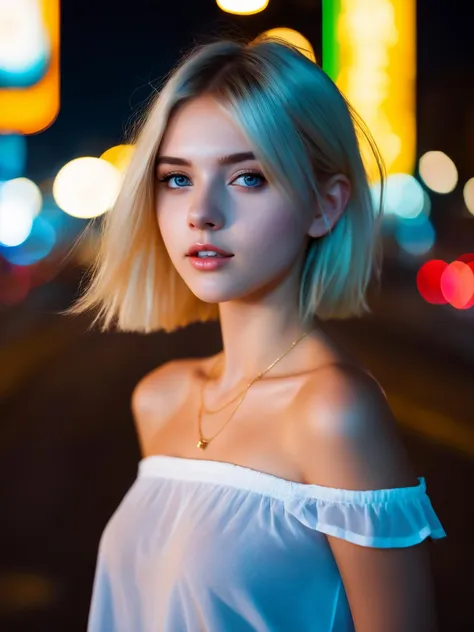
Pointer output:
195, 248
212, 263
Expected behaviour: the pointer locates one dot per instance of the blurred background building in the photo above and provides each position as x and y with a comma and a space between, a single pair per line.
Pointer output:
73, 78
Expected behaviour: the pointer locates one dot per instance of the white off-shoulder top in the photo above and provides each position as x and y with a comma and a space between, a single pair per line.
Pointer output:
210, 546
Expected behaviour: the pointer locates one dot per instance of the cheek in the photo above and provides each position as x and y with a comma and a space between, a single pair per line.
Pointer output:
167, 225
167, 231
277, 235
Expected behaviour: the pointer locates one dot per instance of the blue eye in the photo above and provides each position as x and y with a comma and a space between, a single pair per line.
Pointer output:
166, 178
257, 180
252, 175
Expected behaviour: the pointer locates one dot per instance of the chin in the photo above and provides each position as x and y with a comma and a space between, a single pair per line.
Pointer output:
212, 290
211, 297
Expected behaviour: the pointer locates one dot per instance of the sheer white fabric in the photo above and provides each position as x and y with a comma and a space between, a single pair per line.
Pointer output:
210, 546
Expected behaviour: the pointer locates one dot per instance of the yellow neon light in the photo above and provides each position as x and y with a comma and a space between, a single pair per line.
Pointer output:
30, 110
376, 70
242, 7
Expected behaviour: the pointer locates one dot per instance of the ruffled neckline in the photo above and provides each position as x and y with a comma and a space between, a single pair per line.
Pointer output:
241, 477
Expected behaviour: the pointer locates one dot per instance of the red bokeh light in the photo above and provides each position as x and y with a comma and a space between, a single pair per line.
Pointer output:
470, 303
439, 282
457, 284
428, 281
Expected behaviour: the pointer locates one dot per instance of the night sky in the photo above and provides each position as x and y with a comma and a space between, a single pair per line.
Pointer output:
113, 53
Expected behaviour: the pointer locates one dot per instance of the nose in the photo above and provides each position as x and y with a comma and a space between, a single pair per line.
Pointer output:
205, 211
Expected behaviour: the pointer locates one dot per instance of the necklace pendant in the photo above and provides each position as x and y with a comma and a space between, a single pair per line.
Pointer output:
202, 443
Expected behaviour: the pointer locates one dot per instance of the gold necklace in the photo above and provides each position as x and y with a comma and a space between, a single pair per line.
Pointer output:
203, 443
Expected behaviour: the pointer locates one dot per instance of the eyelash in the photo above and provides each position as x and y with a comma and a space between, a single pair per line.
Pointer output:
167, 176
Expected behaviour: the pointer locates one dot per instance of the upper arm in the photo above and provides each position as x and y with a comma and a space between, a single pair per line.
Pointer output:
155, 397
348, 439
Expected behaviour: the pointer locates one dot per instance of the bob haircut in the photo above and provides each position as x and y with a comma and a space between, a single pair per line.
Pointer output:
302, 131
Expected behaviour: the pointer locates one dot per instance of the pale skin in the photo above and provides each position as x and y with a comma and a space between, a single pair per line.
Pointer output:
342, 432
257, 292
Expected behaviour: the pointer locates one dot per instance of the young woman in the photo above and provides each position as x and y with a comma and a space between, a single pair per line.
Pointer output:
274, 493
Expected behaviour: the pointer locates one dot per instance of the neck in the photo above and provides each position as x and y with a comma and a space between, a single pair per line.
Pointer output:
251, 345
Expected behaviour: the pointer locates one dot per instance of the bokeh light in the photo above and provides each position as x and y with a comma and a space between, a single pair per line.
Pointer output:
86, 187
428, 281
23, 192
415, 235
20, 203
439, 282
12, 155
24, 45
457, 284
295, 38
470, 303
426, 204
14, 227
468, 258
369, 50
119, 156
438, 171
29, 64
403, 195
38, 245
468, 194
242, 7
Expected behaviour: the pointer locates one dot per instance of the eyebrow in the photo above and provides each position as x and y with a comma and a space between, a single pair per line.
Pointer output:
231, 159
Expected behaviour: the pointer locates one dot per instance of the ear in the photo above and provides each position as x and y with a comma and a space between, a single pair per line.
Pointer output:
333, 198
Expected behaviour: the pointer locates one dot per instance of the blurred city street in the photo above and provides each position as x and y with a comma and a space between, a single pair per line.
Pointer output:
67, 426
68, 446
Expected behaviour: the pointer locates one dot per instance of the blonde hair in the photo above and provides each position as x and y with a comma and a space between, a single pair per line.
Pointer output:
302, 130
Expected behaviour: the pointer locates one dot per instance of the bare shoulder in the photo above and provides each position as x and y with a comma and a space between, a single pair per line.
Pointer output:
165, 380
348, 439
157, 395
347, 436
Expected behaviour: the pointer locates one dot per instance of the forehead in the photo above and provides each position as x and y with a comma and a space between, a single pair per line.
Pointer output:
202, 127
